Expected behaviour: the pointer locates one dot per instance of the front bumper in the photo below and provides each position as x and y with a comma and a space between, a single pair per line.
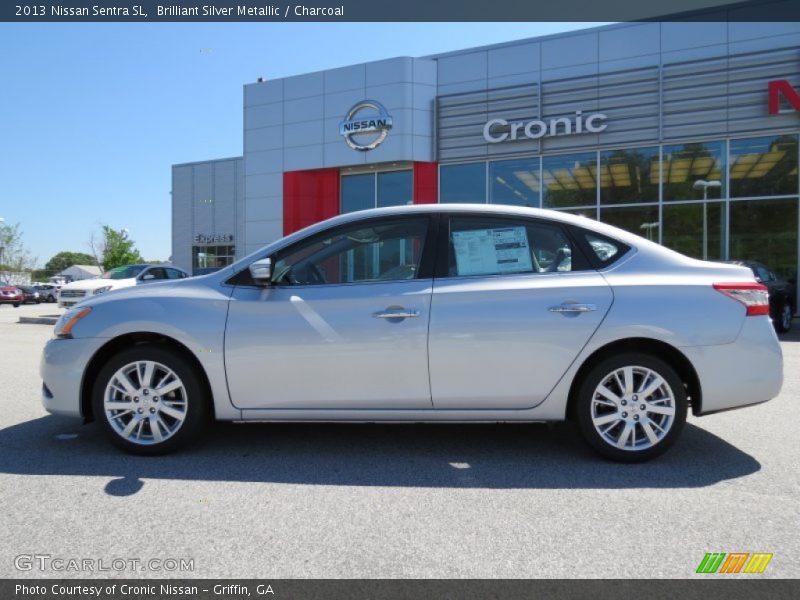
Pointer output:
62, 366
747, 371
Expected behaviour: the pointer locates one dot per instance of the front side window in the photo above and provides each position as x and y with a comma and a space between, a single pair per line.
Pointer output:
481, 246
372, 251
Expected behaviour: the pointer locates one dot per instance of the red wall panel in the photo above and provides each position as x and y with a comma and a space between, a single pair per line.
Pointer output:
309, 197
426, 183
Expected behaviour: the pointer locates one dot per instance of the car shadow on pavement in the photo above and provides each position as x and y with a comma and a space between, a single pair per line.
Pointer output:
501, 456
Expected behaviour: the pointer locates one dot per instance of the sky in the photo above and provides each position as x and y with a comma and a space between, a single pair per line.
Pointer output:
92, 116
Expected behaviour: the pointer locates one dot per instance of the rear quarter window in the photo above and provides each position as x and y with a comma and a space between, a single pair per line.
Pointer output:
602, 250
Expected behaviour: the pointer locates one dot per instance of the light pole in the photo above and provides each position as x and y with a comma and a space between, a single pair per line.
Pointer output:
704, 185
649, 228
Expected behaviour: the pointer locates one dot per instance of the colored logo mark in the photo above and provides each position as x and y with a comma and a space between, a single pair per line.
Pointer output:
734, 562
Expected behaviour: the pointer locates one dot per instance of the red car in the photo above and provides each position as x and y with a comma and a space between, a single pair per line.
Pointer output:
10, 295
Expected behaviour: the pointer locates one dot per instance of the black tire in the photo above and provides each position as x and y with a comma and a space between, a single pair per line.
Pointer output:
198, 402
584, 399
782, 324
16, 304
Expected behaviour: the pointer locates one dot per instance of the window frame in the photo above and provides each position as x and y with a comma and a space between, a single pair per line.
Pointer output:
426, 263
445, 228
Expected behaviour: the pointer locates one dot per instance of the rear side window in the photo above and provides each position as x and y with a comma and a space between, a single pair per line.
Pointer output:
498, 246
604, 250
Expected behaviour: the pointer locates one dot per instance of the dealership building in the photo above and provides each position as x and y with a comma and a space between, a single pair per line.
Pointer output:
684, 133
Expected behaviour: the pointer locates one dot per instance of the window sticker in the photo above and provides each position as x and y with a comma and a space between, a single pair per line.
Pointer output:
492, 251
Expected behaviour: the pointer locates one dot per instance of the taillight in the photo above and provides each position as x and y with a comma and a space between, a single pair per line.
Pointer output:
753, 295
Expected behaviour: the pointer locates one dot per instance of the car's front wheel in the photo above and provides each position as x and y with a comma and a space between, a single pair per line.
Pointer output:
631, 407
150, 400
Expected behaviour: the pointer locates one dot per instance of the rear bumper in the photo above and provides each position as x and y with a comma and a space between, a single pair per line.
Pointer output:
62, 366
747, 371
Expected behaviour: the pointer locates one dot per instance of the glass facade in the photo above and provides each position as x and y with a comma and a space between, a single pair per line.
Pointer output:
212, 257
765, 230
765, 166
569, 180
693, 171
695, 229
462, 183
515, 182
724, 199
372, 190
629, 176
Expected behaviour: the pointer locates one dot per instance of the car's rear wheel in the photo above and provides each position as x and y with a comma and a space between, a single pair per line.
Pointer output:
784, 321
150, 400
631, 407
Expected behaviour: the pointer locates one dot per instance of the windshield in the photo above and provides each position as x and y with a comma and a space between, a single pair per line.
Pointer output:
128, 272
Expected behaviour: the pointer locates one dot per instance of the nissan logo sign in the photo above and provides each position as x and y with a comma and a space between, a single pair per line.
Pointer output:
366, 125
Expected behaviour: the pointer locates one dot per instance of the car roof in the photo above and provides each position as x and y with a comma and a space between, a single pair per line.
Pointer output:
490, 209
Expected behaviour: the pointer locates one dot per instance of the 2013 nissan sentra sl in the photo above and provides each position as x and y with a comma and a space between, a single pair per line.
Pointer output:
426, 313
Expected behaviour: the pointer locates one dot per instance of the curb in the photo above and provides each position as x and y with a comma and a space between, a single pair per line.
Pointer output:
38, 320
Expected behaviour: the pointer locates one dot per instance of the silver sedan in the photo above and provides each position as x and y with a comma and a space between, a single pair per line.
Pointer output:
426, 313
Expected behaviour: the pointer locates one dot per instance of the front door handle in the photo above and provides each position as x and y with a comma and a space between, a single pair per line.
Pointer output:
396, 312
572, 308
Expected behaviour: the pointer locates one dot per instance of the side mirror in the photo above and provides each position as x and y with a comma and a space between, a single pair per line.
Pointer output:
148, 277
261, 271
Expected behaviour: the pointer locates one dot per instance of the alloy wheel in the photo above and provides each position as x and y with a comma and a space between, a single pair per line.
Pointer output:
633, 408
145, 402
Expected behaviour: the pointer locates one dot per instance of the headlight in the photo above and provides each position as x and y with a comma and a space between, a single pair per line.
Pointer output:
102, 289
68, 320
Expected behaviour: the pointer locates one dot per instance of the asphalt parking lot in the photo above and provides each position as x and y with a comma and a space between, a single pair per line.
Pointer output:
352, 501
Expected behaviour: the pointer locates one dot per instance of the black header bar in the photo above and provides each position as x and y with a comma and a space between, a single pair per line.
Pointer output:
398, 10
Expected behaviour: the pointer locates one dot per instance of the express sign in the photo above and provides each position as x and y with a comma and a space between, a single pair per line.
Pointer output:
500, 130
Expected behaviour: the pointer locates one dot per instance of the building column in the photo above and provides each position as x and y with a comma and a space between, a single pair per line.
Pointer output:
426, 182
309, 197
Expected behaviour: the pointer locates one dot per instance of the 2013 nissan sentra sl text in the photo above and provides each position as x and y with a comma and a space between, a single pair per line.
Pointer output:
426, 313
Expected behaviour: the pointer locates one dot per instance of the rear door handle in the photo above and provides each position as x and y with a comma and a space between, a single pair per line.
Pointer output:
396, 313
572, 308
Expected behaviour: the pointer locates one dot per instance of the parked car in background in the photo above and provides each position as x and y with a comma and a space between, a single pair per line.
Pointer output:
451, 312
10, 294
30, 295
117, 278
781, 294
48, 292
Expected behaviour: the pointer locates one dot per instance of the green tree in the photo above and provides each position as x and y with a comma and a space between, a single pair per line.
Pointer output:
13, 254
66, 259
116, 248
